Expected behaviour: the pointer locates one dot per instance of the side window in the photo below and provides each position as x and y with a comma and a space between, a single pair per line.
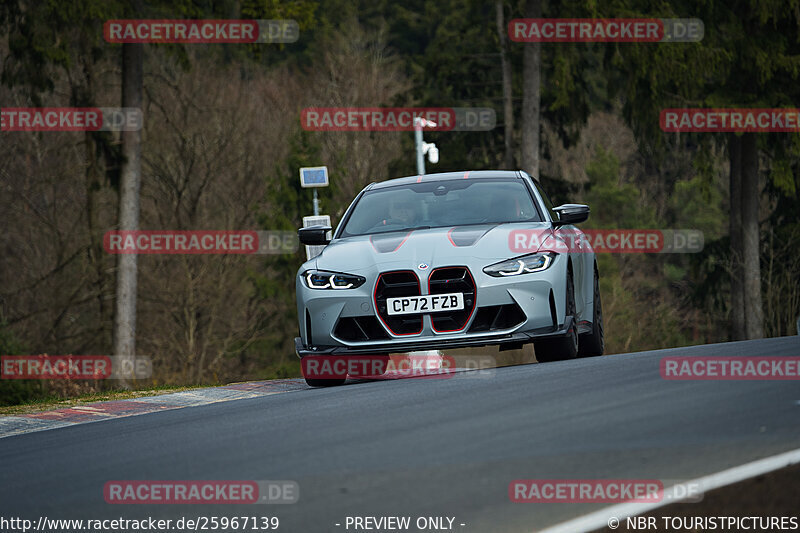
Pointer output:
547, 203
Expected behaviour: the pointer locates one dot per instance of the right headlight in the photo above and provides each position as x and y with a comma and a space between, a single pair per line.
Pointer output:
521, 265
320, 279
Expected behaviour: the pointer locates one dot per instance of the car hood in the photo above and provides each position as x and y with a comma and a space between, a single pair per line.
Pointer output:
433, 247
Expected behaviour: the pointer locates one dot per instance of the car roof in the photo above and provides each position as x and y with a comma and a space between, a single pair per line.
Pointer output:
444, 176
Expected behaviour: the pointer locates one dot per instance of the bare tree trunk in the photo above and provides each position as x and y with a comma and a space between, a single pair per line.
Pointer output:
737, 280
96, 254
82, 95
508, 102
753, 306
130, 183
531, 96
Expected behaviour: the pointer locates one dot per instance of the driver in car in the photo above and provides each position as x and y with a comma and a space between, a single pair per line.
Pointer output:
401, 213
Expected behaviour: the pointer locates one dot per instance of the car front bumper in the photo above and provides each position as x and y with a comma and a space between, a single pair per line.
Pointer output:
540, 298
508, 340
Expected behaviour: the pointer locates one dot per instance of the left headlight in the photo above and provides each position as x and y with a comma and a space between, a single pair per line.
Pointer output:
319, 279
521, 265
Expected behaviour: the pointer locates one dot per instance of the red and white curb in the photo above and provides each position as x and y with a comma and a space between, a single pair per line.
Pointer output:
99, 411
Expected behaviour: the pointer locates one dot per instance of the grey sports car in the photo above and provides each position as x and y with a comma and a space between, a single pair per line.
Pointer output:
450, 260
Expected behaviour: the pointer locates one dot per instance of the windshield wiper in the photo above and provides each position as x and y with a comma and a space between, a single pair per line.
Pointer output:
415, 229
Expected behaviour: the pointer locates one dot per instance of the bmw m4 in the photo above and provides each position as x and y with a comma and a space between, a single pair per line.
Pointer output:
451, 260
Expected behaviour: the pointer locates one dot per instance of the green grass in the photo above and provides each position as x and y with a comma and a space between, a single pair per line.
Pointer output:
54, 402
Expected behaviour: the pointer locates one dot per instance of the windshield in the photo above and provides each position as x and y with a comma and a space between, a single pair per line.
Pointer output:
441, 204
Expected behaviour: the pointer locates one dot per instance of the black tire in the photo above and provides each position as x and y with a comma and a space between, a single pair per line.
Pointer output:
593, 344
332, 381
325, 382
566, 347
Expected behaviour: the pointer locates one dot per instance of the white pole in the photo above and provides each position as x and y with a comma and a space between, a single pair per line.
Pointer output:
419, 142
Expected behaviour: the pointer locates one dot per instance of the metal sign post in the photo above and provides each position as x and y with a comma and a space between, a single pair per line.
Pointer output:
418, 142
321, 220
314, 177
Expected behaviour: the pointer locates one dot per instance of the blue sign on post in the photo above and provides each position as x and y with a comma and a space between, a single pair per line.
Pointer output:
314, 177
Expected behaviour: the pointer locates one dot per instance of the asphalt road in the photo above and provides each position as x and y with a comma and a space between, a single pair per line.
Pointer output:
421, 447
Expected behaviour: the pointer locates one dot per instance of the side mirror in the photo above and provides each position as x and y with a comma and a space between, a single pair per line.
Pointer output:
314, 235
571, 214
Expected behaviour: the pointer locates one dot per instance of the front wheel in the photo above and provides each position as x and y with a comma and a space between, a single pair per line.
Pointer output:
566, 347
593, 344
317, 374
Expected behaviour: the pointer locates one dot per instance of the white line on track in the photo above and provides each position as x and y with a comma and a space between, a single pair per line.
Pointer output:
599, 519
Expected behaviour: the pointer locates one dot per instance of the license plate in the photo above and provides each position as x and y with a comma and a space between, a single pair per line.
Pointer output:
432, 303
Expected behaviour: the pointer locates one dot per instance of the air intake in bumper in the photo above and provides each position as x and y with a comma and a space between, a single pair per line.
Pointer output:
359, 328
497, 317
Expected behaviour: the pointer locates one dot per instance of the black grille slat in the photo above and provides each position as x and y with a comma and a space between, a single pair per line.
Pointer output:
395, 285
452, 279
